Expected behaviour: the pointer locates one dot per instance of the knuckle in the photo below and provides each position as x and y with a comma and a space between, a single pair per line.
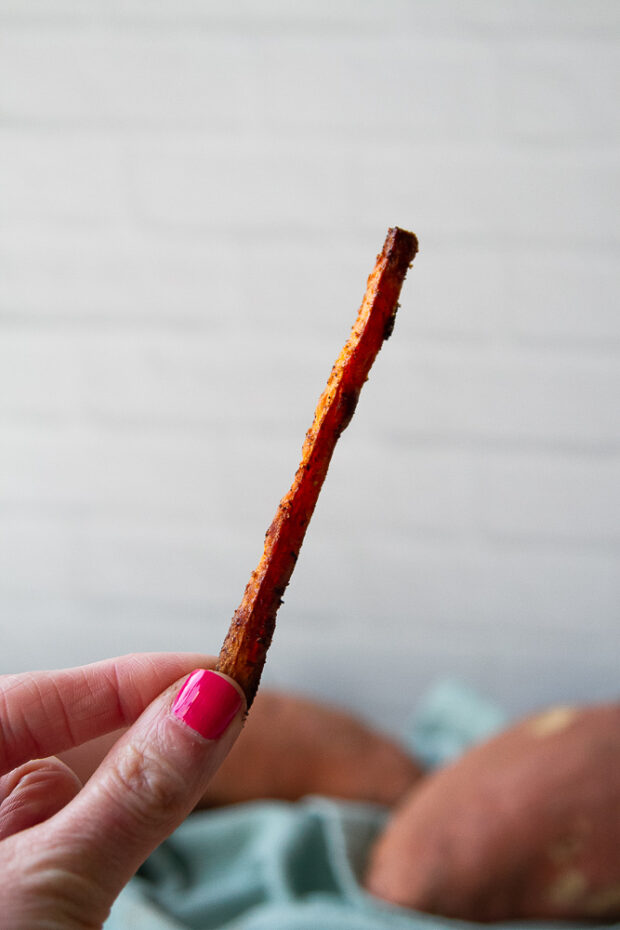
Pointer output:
148, 786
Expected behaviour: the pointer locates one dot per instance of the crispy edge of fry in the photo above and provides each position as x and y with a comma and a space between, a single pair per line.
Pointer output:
244, 650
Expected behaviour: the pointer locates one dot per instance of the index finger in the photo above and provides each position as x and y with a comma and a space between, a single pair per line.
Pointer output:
44, 713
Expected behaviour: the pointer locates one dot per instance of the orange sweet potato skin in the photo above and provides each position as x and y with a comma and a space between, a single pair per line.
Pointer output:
292, 746
251, 629
526, 825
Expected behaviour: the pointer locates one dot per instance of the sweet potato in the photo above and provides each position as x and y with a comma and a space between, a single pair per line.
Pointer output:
526, 825
249, 636
291, 746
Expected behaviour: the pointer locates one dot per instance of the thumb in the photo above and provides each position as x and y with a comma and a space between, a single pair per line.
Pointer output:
148, 783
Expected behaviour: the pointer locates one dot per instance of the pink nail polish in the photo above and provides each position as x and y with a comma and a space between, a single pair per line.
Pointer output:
207, 703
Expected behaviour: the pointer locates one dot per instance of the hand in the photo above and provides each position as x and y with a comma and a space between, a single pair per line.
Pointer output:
66, 851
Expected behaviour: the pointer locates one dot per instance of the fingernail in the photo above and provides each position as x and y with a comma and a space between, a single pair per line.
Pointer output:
207, 703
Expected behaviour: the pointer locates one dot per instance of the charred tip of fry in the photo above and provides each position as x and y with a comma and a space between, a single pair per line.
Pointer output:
244, 650
401, 247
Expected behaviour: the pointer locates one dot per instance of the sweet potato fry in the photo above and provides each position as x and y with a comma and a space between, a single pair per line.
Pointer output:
251, 629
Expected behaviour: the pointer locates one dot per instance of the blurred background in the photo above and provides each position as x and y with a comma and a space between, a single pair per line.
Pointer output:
192, 195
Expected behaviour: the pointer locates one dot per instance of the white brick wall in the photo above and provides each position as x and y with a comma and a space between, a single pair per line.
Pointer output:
191, 197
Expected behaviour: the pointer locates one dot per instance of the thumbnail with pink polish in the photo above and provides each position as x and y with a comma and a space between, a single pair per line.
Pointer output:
207, 703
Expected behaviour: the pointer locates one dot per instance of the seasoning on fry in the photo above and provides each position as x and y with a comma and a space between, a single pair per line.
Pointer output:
244, 650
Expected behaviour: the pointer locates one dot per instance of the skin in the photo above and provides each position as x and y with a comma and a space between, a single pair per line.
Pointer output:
526, 825
245, 647
95, 772
291, 747
66, 851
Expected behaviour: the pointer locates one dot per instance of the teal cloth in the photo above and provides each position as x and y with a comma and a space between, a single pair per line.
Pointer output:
282, 866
